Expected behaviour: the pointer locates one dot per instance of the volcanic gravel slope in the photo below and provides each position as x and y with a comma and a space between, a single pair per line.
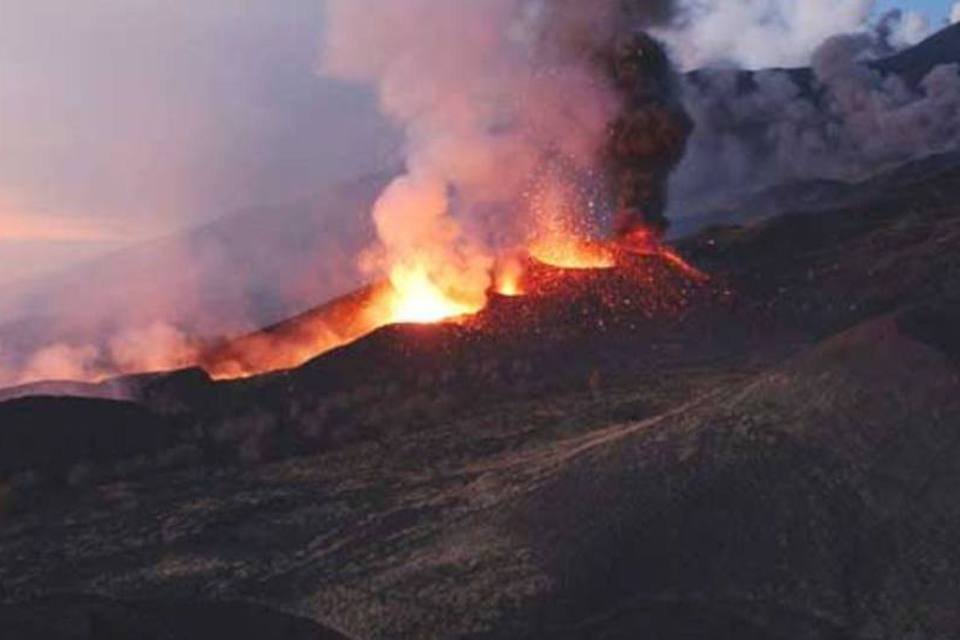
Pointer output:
773, 459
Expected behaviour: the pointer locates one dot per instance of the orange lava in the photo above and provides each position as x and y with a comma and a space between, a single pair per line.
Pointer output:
409, 297
508, 277
414, 298
569, 252
643, 242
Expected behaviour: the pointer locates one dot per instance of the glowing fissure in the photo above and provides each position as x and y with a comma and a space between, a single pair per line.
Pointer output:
508, 278
417, 299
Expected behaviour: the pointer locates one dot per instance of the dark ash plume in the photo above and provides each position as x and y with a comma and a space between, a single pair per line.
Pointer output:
649, 137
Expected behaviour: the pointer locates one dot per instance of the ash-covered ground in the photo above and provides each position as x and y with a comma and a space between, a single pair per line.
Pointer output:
771, 455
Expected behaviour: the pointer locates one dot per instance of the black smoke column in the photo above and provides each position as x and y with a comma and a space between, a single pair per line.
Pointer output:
649, 138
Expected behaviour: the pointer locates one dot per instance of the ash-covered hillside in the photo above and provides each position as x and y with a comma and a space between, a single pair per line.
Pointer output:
768, 454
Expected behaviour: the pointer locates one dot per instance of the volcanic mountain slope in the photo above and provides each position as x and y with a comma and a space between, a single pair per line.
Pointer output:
914, 63
741, 109
768, 455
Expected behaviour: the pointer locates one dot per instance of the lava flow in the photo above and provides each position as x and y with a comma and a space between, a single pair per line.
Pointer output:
407, 297
642, 242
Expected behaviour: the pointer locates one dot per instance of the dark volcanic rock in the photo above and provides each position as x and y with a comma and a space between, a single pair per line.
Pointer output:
49, 435
92, 618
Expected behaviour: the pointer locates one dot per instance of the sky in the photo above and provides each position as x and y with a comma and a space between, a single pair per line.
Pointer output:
123, 120
935, 10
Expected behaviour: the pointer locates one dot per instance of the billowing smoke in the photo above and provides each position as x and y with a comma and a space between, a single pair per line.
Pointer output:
844, 118
904, 28
153, 347
788, 90
495, 97
756, 34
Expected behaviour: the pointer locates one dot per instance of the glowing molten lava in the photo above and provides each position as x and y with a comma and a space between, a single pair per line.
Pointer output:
570, 252
643, 242
508, 277
560, 238
415, 298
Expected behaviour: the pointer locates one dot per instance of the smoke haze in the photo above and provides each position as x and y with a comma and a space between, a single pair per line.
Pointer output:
759, 34
842, 119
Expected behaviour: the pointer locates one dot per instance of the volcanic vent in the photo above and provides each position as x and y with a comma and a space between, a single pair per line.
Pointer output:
577, 283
